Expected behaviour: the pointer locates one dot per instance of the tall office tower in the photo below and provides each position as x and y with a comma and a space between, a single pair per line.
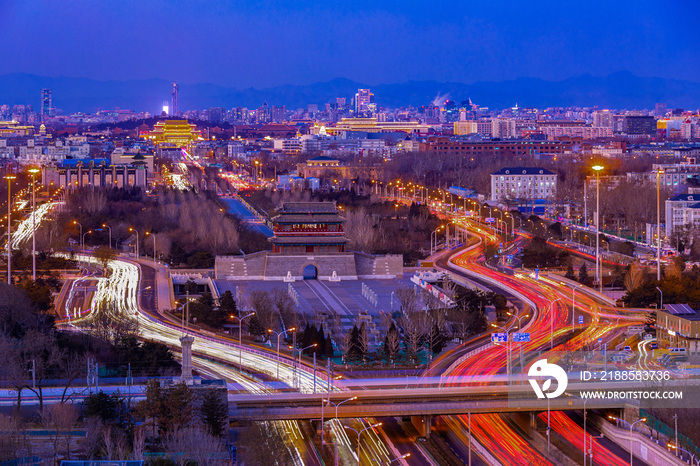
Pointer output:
364, 101
174, 109
660, 110
45, 103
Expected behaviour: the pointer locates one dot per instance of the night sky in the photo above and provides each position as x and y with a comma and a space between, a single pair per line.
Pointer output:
267, 43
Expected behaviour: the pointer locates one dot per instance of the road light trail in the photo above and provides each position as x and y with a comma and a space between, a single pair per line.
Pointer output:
23, 232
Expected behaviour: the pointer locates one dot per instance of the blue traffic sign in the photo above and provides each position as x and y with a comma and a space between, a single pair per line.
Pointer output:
499, 337
523, 337
580, 320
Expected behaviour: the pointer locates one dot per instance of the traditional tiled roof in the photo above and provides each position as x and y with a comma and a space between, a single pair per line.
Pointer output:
308, 207
302, 218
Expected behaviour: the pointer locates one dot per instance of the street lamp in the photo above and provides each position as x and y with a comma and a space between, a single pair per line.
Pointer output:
551, 324
598, 274
631, 426
9, 179
359, 434
33, 171
240, 332
585, 400
296, 376
338, 404
573, 304
662, 298
154, 244
431, 239
507, 350
278, 345
104, 225
80, 235
82, 239
658, 225
336, 419
520, 326
137, 241
676, 447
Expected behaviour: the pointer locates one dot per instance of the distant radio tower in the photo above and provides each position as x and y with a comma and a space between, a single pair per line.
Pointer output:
173, 93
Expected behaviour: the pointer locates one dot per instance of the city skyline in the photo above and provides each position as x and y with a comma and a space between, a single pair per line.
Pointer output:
621, 90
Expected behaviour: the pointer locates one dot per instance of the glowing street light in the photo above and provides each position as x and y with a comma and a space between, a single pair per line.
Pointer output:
137, 241
598, 271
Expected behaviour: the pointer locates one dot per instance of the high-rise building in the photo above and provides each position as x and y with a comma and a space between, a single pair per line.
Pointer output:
278, 114
660, 110
46, 103
603, 119
364, 102
173, 95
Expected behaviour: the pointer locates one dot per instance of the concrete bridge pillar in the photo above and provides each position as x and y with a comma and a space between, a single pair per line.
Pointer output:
186, 342
423, 424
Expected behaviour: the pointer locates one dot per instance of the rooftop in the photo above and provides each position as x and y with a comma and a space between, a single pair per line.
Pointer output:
308, 208
523, 171
684, 311
300, 218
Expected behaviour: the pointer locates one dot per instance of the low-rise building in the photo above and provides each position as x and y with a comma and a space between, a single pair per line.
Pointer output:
98, 173
682, 211
523, 183
678, 326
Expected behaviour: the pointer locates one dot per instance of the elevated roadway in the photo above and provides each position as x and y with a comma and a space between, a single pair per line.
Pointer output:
413, 402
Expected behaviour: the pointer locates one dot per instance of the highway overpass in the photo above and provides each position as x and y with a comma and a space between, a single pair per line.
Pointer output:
409, 402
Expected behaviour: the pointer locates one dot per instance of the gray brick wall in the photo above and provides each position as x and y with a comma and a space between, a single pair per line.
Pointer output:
265, 265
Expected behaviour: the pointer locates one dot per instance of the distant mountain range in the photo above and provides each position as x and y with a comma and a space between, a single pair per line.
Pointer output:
618, 90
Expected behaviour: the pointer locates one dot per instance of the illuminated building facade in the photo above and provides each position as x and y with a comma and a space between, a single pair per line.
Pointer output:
46, 103
371, 125
308, 227
180, 133
98, 174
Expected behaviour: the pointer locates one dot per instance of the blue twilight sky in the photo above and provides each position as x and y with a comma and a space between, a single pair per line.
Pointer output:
270, 42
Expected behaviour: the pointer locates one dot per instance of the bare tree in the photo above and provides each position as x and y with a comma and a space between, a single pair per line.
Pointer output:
195, 443
261, 443
261, 303
95, 201
111, 323
634, 277
360, 231
13, 365
408, 299
139, 446
61, 418
286, 307
411, 335
41, 352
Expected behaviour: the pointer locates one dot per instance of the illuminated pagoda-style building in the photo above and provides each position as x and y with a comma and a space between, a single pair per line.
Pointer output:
180, 133
308, 228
